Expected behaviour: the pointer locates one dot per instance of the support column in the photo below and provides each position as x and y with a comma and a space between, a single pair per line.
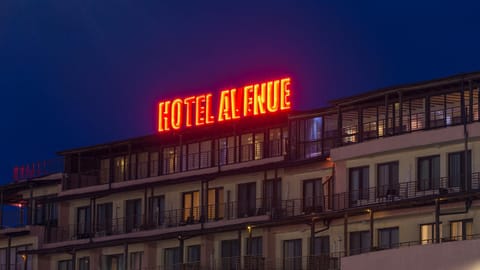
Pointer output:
207, 252
437, 220
371, 229
145, 206
345, 234
125, 255
74, 259
7, 253
181, 248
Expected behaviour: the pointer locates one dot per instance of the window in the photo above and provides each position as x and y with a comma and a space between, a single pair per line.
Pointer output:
104, 219
136, 261
387, 179
313, 196
65, 265
254, 246
133, 166
112, 262
321, 246
292, 254
119, 170
171, 160
427, 233
153, 164
172, 259
247, 199
83, 263
388, 238
133, 215
272, 195
157, 210
16, 257
230, 254
359, 242
104, 171
359, 183
83, 222
46, 213
193, 156
216, 205
191, 206
275, 142
428, 173
226, 150
253, 252
246, 147
461, 230
205, 154
142, 165
456, 170
193, 257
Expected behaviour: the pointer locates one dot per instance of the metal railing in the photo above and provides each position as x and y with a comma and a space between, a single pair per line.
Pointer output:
273, 208
174, 163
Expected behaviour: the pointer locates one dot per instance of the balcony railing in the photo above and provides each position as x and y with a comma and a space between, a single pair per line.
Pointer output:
273, 209
175, 162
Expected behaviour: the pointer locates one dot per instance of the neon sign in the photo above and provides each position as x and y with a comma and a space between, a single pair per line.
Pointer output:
250, 100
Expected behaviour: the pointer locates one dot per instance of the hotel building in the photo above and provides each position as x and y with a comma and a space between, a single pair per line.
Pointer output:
389, 178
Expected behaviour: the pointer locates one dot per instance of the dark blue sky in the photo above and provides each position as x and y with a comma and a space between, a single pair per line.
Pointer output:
81, 72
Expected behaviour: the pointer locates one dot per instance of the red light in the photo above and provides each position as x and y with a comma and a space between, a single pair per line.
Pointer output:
251, 100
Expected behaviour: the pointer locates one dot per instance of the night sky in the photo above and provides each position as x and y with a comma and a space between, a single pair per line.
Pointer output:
81, 72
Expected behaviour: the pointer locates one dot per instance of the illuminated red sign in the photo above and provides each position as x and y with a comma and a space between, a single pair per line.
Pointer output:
250, 100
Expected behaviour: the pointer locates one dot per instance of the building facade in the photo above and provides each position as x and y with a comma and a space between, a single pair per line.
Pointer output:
392, 170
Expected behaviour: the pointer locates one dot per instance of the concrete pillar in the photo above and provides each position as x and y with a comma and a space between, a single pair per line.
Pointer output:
207, 258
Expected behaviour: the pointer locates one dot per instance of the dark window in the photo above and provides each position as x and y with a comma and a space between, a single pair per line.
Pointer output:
321, 246
226, 153
456, 170
84, 263
388, 238
136, 261
216, 207
230, 254
247, 199
104, 219
428, 173
83, 222
112, 262
65, 265
157, 210
193, 257
133, 215
461, 229
387, 179
313, 196
359, 184
359, 242
272, 195
16, 257
292, 254
191, 206
254, 246
46, 213
172, 259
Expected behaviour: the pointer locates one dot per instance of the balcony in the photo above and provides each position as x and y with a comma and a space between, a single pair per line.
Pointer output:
231, 213
176, 163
